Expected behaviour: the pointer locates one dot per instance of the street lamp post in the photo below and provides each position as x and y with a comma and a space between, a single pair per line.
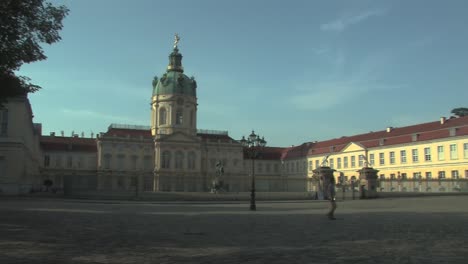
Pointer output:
253, 144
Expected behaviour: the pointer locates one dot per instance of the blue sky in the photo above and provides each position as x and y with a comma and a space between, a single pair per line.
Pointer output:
295, 71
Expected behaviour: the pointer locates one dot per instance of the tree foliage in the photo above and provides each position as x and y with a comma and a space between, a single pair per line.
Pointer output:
460, 111
24, 25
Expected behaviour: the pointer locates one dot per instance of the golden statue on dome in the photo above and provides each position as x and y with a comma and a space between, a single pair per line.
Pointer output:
176, 40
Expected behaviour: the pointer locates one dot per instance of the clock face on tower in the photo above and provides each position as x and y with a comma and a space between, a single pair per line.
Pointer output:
180, 101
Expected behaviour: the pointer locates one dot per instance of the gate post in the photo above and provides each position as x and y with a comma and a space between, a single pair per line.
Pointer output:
323, 175
368, 183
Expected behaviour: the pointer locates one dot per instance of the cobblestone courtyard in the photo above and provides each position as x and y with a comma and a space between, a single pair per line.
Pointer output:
409, 230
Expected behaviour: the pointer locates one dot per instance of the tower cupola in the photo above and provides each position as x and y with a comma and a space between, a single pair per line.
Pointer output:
175, 58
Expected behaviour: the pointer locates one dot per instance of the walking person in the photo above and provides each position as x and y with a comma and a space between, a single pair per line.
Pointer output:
332, 197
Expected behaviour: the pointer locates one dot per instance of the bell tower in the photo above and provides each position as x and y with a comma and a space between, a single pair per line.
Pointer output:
174, 100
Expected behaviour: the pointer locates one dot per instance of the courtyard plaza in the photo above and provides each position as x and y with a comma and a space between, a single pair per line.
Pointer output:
389, 230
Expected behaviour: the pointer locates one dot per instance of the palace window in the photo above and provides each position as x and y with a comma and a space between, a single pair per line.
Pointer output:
107, 161
441, 174
69, 161
3, 122
191, 160
91, 162
465, 150
179, 117
392, 176
392, 157
404, 176
345, 162
133, 162
428, 175
417, 175
371, 159
440, 153
121, 162
453, 151
427, 154
46, 161
80, 162
179, 160
361, 160
414, 152
276, 168
162, 116
338, 161
166, 159
3, 167
268, 167
332, 163
455, 174
310, 165
317, 164
148, 162
58, 161
260, 167
381, 159
353, 161
403, 156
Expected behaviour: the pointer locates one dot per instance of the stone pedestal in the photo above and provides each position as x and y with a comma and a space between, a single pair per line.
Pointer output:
323, 177
368, 183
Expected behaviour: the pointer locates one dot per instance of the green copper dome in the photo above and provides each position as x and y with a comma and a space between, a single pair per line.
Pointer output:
174, 81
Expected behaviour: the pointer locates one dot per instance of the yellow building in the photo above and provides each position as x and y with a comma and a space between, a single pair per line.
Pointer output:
435, 150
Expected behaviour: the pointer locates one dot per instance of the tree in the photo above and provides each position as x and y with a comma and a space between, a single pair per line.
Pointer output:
460, 111
24, 25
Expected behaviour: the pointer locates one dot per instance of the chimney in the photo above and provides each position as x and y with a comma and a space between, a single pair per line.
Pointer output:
52, 134
389, 129
442, 120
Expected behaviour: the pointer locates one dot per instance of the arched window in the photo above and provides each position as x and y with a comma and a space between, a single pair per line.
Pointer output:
179, 117
191, 160
162, 116
107, 161
121, 162
133, 162
148, 162
166, 160
179, 160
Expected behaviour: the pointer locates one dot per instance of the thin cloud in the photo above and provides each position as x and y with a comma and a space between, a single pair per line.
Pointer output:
341, 87
343, 22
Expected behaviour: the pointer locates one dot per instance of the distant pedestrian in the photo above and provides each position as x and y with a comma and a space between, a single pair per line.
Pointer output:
332, 197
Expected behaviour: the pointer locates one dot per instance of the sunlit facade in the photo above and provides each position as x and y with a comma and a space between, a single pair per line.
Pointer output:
436, 150
173, 154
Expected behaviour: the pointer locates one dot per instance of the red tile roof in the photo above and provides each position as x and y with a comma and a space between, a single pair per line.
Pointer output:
267, 153
69, 144
424, 131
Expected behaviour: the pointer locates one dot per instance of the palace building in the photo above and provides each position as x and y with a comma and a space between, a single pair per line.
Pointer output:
172, 154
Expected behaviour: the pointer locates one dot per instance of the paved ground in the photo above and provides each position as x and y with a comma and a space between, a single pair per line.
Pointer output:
409, 230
